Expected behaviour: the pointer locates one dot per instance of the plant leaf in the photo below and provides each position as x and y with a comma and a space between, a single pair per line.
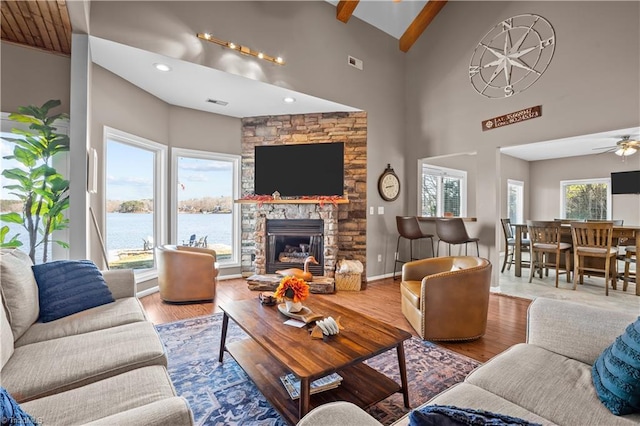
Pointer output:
11, 217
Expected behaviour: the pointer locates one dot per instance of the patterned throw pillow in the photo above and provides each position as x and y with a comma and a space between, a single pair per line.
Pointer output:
616, 373
448, 415
12, 413
66, 287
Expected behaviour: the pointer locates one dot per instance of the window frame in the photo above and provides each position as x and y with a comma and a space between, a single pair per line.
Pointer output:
442, 172
159, 191
236, 183
520, 202
564, 183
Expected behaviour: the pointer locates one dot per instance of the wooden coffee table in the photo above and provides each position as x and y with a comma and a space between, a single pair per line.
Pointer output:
276, 349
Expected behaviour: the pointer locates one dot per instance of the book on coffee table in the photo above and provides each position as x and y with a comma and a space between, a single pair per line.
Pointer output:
292, 384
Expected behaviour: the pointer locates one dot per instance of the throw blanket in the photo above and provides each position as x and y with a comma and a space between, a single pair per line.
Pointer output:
448, 415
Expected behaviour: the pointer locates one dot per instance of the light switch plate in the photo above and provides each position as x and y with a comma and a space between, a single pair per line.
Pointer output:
371, 210
381, 210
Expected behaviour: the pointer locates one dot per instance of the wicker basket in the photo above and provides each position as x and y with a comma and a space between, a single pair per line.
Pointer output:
348, 281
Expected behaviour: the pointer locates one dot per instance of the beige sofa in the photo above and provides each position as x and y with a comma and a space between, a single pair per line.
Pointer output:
104, 365
546, 380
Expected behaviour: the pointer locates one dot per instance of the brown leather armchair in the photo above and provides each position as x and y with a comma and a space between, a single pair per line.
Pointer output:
186, 274
447, 298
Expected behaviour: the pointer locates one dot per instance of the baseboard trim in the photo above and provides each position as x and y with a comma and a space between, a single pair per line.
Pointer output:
380, 277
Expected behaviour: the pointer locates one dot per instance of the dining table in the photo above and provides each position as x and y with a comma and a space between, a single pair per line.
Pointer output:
620, 232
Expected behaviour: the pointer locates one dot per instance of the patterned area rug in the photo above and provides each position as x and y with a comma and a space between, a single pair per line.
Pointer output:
222, 394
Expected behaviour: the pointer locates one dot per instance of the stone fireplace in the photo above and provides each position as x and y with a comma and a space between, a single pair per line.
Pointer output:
312, 226
344, 225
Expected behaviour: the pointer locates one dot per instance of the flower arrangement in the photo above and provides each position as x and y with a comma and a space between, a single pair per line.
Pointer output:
292, 288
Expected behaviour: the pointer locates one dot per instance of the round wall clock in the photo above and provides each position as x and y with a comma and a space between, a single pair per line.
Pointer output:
389, 184
512, 56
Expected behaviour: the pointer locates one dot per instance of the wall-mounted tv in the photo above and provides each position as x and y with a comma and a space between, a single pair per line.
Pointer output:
625, 182
299, 170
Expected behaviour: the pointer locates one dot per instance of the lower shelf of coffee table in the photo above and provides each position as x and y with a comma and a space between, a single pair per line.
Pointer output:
361, 384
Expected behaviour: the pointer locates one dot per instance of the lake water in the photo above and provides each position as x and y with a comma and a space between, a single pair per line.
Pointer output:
127, 231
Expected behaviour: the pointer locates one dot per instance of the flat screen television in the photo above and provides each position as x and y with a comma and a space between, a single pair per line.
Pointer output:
300, 170
625, 182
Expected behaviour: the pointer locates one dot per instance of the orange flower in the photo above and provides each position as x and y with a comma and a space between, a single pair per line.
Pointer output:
292, 288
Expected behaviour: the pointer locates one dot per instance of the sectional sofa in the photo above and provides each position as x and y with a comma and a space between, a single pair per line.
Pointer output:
547, 380
102, 366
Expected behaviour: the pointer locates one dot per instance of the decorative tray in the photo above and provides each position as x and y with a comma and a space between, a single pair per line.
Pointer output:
305, 315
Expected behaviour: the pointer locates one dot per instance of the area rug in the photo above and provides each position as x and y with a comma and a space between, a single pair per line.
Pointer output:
222, 394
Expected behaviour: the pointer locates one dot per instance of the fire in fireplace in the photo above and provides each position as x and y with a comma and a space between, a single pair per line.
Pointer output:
291, 241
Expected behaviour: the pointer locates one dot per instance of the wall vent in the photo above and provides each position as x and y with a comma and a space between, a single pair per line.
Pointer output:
218, 102
354, 62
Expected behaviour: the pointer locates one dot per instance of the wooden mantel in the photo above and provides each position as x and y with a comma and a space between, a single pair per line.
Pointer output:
293, 201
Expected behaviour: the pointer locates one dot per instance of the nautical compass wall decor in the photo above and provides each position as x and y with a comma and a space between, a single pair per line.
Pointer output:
512, 56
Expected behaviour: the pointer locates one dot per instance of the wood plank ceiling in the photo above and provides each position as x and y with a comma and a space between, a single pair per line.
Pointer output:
345, 9
40, 24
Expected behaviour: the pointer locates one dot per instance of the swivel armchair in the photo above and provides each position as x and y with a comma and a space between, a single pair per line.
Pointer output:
447, 298
186, 274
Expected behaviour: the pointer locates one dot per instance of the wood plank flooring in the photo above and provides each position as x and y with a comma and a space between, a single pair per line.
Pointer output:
381, 299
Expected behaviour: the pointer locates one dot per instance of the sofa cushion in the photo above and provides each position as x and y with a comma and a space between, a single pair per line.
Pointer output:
19, 290
551, 385
616, 373
80, 359
11, 412
105, 398
122, 311
6, 337
69, 286
432, 415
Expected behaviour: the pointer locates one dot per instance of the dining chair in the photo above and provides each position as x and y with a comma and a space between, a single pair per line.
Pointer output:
510, 244
453, 231
593, 240
409, 228
545, 241
630, 256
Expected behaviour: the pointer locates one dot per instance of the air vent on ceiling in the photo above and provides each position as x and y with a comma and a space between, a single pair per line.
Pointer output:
354, 62
218, 102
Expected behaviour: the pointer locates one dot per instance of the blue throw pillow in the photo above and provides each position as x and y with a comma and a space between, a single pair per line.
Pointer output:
12, 413
448, 415
69, 286
616, 373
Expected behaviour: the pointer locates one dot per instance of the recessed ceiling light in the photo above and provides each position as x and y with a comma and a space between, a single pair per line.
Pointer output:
289, 100
162, 67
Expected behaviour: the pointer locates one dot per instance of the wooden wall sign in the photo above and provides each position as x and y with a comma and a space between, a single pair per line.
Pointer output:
512, 118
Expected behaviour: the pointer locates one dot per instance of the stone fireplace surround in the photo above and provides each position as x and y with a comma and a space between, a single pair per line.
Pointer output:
327, 213
345, 225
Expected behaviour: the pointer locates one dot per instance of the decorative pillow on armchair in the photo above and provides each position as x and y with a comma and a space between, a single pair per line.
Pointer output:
616, 373
69, 286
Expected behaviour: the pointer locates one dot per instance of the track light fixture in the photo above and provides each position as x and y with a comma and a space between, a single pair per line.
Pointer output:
242, 49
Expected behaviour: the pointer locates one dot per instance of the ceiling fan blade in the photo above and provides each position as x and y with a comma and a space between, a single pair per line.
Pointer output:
607, 148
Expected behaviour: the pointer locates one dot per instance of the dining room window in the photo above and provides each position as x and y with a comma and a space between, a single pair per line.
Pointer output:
515, 200
586, 199
443, 191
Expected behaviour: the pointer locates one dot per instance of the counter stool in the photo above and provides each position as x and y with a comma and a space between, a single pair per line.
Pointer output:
409, 228
453, 231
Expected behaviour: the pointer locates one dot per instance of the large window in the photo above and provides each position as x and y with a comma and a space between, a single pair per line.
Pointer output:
135, 200
586, 199
9, 201
205, 185
515, 201
443, 191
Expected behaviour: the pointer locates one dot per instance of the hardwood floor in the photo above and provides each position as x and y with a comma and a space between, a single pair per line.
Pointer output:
381, 299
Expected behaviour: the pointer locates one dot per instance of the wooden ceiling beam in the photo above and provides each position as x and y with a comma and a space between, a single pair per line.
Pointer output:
345, 9
422, 21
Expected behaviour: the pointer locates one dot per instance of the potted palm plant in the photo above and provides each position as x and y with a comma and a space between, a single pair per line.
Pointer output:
43, 192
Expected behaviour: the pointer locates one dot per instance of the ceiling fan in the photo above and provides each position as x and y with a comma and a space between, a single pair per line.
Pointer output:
624, 147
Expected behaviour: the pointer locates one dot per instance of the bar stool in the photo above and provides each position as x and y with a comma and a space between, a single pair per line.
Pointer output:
409, 228
453, 231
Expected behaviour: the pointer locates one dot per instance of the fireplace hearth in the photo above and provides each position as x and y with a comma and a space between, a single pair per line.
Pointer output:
290, 241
